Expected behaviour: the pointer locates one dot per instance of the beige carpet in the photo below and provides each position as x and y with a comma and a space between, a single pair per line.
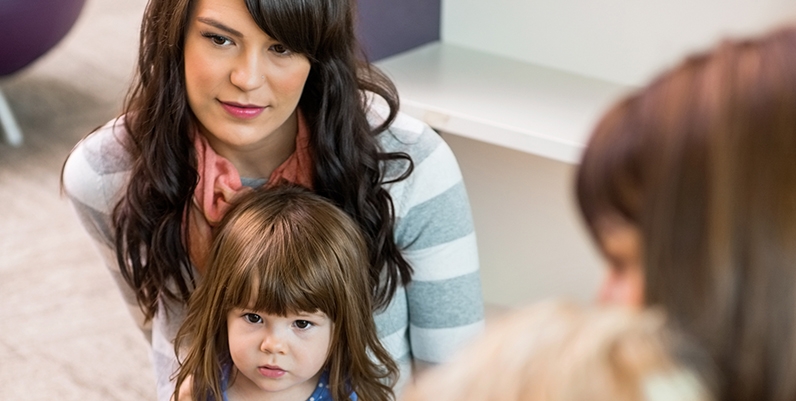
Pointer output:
64, 331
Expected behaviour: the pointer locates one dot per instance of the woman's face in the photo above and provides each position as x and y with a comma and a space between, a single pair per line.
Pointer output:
620, 242
242, 85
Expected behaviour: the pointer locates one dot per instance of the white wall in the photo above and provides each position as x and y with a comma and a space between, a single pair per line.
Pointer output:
624, 41
530, 239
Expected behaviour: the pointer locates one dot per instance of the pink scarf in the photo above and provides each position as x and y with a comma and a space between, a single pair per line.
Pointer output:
220, 184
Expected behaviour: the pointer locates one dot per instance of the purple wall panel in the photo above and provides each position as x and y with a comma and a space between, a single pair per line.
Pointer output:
387, 27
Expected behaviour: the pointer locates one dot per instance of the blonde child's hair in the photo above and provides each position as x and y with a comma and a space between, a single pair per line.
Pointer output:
557, 351
287, 250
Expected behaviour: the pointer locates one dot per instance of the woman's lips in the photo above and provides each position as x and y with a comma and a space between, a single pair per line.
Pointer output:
241, 110
271, 371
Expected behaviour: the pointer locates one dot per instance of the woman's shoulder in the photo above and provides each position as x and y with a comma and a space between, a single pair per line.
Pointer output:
98, 166
104, 149
406, 134
435, 170
106, 145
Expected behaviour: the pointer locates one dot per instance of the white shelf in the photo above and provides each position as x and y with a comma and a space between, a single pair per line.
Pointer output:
501, 101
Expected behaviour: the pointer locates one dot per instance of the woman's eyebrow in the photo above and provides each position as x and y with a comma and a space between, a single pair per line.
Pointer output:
216, 24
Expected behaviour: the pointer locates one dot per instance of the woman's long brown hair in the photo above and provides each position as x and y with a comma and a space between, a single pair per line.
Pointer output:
287, 250
349, 164
703, 161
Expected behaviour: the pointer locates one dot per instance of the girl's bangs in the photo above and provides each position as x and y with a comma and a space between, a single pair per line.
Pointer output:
283, 277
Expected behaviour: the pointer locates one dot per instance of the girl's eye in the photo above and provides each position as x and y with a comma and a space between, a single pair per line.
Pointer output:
253, 318
303, 324
280, 49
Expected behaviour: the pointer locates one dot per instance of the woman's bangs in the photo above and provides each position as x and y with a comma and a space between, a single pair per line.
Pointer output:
295, 23
607, 181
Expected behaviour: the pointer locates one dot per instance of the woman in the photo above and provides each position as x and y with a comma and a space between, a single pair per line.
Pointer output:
689, 187
232, 94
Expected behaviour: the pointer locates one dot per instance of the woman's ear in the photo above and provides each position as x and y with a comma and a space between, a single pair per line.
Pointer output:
621, 245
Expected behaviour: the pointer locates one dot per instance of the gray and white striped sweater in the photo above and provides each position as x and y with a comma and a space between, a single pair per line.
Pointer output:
439, 310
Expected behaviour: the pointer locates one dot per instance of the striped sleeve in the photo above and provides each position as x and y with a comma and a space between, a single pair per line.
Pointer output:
94, 176
434, 229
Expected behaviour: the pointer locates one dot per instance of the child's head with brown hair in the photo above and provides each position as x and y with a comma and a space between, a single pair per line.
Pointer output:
559, 351
287, 291
698, 171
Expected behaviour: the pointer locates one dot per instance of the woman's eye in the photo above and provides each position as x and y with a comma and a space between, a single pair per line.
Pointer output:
280, 49
217, 40
303, 324
253, 318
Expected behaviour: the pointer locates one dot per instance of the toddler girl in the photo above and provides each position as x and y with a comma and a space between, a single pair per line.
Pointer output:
284, 311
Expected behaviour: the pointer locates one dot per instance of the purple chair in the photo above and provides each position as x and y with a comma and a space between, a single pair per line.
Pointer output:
29, 29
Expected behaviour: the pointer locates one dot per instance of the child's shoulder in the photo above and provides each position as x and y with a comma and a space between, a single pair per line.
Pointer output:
322, 391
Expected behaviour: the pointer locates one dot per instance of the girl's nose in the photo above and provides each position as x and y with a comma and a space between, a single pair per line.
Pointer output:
272, 343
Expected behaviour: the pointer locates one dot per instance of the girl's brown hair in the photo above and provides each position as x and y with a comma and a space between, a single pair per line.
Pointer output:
703, 161
290, 251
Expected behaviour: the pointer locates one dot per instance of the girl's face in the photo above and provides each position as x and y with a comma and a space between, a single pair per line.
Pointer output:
277, 354
620, 242
242, 85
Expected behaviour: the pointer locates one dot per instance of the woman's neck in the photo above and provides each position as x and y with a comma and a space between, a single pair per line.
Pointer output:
261, 158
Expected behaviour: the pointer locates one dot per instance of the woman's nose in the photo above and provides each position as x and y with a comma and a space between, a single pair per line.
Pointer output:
249, 72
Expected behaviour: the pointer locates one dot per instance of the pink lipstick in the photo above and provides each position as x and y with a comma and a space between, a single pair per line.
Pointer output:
243, 111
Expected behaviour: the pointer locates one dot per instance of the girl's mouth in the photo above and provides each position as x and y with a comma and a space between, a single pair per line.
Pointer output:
271, 371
